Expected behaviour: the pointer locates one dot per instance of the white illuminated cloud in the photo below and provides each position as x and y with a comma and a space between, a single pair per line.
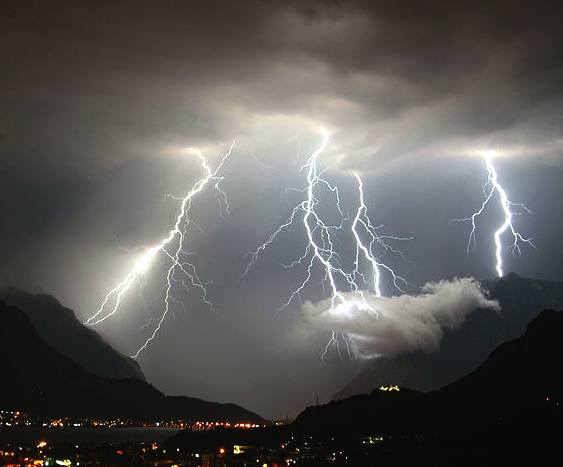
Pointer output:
403, 323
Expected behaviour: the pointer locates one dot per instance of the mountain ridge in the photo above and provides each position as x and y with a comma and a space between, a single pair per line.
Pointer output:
58, 326
43, 381
519, 375
463, 349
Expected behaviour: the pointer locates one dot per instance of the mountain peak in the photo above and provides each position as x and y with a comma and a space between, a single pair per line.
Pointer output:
512, 276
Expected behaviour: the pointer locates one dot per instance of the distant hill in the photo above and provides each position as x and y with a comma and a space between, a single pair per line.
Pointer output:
59, 328
38, 379
529, 367
519, 376
506, 412
463, 349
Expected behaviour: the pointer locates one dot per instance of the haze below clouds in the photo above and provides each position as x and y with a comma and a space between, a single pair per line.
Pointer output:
98, 103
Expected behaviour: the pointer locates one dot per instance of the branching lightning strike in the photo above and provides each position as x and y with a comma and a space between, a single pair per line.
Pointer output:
320, 249
171, 248
509, 209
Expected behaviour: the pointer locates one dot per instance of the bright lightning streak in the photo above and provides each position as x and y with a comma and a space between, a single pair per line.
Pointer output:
492, 186
320, 248
363, 220
171, 248
321, 253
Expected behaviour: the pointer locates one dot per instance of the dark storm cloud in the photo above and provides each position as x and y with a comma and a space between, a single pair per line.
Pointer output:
98, 98
117, 73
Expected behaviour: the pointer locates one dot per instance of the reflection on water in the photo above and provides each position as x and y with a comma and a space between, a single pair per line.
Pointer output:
30, 435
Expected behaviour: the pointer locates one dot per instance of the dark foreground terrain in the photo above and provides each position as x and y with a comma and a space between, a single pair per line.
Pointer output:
507, 412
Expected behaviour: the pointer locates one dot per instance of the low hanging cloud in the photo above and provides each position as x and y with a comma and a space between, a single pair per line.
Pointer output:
393, 325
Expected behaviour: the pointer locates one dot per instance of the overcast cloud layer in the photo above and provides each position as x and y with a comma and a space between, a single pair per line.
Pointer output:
98, 102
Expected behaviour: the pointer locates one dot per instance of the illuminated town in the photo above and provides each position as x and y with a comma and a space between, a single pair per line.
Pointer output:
41, 452
303, 451
17, 418
295, 450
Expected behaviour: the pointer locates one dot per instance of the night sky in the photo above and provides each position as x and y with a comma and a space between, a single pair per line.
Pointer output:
99, 101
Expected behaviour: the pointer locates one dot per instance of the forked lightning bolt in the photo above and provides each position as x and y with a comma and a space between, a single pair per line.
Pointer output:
171, 248
364, 221
320, 248
491, 187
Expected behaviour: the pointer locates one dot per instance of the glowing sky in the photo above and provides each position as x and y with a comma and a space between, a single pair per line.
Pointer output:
99, 103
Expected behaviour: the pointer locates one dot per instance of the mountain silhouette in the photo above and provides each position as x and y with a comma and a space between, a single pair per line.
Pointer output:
505, 412
524, 372
526, 368
40, 380
59, 328
463, 349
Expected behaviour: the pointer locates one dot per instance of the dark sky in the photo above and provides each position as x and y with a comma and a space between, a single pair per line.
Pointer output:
98, 101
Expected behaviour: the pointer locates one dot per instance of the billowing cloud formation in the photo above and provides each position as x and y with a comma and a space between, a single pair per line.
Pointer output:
404, 323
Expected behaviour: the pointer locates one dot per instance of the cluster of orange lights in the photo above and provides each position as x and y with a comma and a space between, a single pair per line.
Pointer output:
246, 425
11, 456
212, 425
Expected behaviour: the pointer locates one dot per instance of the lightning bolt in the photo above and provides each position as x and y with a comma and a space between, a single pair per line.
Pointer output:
362, 219
171, 249
509, 209
320, 249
